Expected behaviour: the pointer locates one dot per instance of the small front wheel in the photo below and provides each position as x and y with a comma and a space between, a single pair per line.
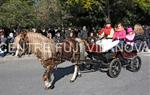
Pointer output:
114, 68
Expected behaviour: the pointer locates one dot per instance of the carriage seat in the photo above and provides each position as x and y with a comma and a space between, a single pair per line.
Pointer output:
107, 44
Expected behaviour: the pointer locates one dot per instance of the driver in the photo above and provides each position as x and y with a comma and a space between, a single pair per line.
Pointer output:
106, 34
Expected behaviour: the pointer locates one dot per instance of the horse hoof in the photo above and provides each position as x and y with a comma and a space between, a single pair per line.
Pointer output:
71, 81
52, 87
48, 85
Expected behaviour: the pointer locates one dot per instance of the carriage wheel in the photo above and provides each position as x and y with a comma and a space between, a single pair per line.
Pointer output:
88, 66
135, 64
114, 68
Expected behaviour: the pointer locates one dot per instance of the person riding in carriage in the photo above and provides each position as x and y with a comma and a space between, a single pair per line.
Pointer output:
139, 37
129, 40
130, 36
106, 34
120, 34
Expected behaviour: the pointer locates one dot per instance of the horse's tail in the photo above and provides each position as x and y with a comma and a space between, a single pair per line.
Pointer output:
83, 42
83, 45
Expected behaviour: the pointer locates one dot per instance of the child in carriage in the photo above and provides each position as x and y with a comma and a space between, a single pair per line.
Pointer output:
130, 36
120, 34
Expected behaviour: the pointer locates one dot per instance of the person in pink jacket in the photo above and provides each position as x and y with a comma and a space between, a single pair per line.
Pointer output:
120, 32
130, 36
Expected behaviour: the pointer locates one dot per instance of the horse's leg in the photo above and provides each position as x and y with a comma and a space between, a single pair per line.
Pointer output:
75, 73
76, 70
79, 72
16, 54
47, 76
17, 51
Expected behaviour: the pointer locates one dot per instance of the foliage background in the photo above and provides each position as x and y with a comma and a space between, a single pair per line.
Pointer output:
59, 13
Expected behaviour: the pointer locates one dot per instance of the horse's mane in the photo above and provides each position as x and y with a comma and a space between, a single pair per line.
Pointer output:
37, 37
39, 45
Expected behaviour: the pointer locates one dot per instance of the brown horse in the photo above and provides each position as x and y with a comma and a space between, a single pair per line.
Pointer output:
47, 52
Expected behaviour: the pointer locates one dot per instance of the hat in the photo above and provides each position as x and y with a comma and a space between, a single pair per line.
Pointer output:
129, 30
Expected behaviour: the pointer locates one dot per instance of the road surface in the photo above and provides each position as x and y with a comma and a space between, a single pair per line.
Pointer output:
22, 76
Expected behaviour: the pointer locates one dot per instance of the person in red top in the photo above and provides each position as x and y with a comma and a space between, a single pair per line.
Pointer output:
106, 35
106, 32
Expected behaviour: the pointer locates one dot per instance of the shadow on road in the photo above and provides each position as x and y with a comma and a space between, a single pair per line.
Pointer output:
59, 73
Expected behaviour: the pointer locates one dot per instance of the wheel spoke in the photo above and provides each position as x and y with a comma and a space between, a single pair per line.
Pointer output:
115, 64
114, 68
135, 64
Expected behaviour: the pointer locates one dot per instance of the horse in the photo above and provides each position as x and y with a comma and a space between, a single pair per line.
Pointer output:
48, 53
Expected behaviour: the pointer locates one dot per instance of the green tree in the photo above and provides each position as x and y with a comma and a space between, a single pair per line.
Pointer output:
46, 13
17, 13
49, 13
126, 11
144, 4
87, 4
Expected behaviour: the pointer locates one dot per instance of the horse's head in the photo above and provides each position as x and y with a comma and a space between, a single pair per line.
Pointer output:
21, 44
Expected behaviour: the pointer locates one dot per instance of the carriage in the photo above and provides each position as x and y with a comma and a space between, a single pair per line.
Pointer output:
110, 62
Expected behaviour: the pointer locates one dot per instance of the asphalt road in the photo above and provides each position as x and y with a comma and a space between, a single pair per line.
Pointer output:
23, 77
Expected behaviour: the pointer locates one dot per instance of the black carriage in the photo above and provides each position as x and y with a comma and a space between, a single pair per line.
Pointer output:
110, 62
